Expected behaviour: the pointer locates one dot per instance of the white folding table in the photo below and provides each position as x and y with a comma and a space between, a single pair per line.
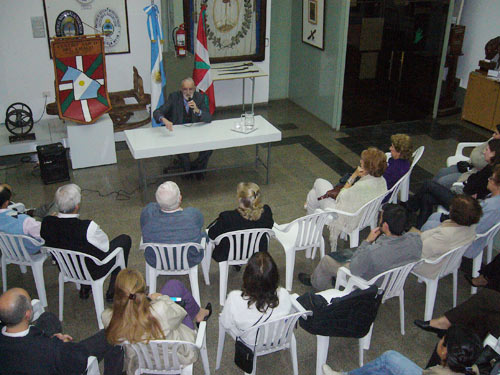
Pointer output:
159, 141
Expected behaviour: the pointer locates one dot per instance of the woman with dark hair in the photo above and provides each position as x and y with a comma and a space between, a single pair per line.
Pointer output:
458, 350
251, 213
260, 297
432, 193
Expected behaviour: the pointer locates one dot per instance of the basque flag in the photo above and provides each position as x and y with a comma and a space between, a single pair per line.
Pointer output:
158, 80
201, 73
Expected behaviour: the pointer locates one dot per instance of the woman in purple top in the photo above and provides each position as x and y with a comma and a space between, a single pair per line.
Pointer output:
399, 162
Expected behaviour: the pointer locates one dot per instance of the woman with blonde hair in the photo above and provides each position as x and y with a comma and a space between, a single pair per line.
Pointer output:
400, 161
251, 213
137, 317
366, 183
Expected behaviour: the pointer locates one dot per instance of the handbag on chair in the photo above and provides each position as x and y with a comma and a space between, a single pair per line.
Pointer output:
243, 355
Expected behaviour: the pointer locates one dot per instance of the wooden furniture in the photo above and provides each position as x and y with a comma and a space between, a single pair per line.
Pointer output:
482, 101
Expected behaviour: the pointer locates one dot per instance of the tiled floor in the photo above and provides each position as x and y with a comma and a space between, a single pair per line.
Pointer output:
309, 149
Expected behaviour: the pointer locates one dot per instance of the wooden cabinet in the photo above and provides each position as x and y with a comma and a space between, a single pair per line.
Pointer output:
482, 101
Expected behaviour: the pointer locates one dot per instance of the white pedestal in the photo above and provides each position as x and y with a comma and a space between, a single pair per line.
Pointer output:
92, 145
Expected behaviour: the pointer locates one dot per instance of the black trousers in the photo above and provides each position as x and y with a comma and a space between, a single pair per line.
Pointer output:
491, 272
201, 162
429, 195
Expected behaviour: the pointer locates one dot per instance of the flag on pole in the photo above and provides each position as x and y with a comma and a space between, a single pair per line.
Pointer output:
201, 73
158, 80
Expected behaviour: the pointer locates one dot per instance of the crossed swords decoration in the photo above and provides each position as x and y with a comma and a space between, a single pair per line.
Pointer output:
311, 35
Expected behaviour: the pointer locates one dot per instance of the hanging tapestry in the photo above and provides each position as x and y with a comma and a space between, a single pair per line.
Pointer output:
80, 78
235, 29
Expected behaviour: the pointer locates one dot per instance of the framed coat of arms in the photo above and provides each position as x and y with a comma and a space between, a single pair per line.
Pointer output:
80, 78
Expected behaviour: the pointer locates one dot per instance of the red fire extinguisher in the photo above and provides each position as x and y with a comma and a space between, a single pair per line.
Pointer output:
179, 37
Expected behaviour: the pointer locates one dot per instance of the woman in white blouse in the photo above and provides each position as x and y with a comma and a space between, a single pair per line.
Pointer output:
259, 299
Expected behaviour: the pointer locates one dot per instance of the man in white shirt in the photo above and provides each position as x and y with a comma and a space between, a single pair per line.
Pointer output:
68, 231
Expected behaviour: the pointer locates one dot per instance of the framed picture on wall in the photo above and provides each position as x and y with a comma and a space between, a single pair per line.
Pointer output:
87, 17
313, 23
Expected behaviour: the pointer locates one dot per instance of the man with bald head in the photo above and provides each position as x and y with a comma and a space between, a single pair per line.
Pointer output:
167, 222
184, 107
37, 349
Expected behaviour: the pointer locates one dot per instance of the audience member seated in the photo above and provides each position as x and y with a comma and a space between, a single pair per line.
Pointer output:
386, 247
137, 317
12, 222
41, 348
456, 231
250, 214
480, 313
432, 194
259, 299
365, 184
167, 222
400, 161
68, 231
489, 275
449, 175
491, 214
458, 350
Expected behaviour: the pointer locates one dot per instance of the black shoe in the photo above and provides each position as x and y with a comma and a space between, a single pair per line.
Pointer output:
426, 326
469, 279
109, 296
236, 267
85, 291
305, 279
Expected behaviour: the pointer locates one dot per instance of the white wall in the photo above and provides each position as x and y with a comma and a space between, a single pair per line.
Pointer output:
481, 21
229, 92
26, 69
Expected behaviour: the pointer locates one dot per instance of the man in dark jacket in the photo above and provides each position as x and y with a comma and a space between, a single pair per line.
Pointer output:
184, 107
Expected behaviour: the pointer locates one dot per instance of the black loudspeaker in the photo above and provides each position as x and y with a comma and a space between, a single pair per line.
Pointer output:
53, 163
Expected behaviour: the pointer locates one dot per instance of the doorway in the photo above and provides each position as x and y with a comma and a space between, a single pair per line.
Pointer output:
392, 60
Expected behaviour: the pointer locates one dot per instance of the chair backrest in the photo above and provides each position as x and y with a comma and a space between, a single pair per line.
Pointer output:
160, 356
274, 334
417, 154
172, 257
13, 247
310, 230
244, 243
369, 211
394, 191
449, 261
393, 280
72, 264
488, 235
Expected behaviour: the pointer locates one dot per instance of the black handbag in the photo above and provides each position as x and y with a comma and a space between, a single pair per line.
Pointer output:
243, 355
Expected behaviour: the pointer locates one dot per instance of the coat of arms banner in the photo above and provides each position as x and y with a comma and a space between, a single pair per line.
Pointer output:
80, 78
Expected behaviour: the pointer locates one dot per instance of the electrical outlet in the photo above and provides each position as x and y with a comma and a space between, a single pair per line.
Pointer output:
46, 94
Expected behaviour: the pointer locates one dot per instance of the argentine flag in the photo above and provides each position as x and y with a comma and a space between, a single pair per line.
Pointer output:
157, 72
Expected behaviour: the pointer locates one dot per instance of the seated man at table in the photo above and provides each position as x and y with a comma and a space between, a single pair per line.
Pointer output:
386, 247
167, 222
68, 231
183, 107
12, 222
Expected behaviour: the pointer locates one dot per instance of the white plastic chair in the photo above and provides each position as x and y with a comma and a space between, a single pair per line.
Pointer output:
14, 251
478, 260
242, 245
160, 356
171, 259
92, 364
459, 153
304, 233
272, 336
72, 268
393, 282
404, 181
449, 263
368, 214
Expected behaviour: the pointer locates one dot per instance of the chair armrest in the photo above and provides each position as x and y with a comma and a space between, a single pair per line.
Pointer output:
462, 145
115, 253
37, 308
201, 334
296, 304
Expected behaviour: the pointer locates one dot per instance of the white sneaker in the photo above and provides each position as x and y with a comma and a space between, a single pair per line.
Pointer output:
328, 371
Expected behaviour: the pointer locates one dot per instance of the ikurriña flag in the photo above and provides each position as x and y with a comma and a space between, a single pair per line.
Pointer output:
201, 73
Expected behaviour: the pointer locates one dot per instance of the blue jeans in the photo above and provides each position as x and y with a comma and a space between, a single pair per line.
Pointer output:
447, 176
389, 363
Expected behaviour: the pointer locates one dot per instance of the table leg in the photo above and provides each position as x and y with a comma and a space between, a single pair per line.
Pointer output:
268, 162
256, 156
243, 95
142, 179
253, 90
